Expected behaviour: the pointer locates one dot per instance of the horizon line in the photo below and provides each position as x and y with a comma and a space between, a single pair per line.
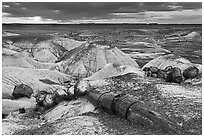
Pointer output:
100, 23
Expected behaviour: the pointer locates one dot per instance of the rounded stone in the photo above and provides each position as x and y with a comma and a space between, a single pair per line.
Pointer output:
22, 90
190, 72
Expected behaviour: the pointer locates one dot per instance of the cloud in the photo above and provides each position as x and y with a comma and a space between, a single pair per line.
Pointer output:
93, 11
161, 16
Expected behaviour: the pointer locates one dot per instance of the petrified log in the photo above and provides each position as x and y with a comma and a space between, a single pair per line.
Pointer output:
94, 96
40, 96
176, 75
146, 69
122, 104
22, 110
154, 75
81, 87
148, 73
190, 72
49, 101
61, 95
169, 73
168, 68
45, 99
161, 74
137, 113
106, 101
153, 69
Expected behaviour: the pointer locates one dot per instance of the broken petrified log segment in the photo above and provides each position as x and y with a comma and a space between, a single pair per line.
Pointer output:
190, 72
22, 110
161, 74
106, 101
137, 113
169, 75
176, 75
146, 69
60, 95
130, 108
45, 99
148, 73
94, 95
70, 92
153, 69
168, 68
81, 87
49, 101
154, 75
40, 96
103, 99
121, 105
22, 90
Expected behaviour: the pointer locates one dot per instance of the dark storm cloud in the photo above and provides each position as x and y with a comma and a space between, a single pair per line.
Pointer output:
88, 10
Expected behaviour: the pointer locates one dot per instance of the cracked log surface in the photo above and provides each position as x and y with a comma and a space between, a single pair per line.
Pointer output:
176, 109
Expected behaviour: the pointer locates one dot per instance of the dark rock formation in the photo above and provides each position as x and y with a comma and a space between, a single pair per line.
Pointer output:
22, 90
190, 72
48, 100
177, 76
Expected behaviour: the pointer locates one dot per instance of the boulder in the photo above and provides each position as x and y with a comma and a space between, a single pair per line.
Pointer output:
190, 72
40, 97
61, 95
153, 69
161, 74
81, 88
22, 90
45, 100
176, 75
71, 93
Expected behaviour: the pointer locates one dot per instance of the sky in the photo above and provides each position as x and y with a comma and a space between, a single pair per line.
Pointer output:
102, 12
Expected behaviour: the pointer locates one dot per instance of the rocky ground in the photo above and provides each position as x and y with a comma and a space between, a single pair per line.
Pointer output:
53, 80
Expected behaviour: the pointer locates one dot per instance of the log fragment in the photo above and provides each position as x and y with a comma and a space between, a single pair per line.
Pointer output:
153, 69
94, 96
190, 72
106, 101
121, 105
176, 75
137, 113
